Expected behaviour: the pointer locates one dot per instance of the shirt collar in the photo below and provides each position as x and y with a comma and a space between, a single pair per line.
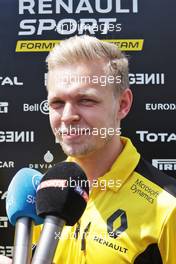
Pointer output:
123, 166
121, 169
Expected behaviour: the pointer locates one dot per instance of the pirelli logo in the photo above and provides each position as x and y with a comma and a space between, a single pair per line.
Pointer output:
47, 45
164, 164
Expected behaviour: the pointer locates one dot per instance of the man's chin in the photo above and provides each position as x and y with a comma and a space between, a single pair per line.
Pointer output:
75, 151
74, 154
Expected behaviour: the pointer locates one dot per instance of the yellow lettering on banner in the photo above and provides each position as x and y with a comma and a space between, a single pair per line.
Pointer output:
47, 45
127, 44
35, 45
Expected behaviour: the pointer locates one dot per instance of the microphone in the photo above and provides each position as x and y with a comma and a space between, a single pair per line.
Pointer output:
21, 211
61, 199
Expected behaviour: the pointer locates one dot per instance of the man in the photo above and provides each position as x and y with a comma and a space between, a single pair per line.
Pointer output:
131, 212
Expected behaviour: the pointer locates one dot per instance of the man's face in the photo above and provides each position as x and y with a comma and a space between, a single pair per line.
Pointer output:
82, 105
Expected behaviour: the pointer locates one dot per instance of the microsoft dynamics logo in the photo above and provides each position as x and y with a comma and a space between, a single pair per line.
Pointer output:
164, 164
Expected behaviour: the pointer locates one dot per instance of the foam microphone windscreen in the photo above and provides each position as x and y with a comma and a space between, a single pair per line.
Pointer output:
63, 192
21, 195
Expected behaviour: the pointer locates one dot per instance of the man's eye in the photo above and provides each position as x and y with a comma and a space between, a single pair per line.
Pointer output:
87, 101
56, 104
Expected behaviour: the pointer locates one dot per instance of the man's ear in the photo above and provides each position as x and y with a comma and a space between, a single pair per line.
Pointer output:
125, 102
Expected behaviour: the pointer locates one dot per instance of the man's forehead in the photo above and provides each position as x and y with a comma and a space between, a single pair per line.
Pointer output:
80, 67
73, 91
83, 82
78, 78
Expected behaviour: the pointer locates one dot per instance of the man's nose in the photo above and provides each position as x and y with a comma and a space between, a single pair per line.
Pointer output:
69, 114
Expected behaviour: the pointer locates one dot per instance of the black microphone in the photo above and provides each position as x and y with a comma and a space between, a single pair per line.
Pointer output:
61, 200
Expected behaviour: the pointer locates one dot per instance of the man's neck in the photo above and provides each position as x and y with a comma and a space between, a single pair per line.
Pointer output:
100, 162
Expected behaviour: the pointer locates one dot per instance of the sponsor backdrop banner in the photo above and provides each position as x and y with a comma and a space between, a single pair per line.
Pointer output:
30, 28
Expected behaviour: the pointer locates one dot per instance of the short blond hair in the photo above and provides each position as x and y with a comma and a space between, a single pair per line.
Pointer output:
88, 48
